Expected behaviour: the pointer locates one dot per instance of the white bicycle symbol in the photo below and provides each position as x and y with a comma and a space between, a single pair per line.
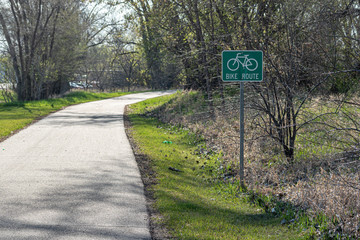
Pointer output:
249, 63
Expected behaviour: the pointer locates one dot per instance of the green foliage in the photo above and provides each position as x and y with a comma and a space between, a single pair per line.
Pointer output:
312, 225
231, 91
318, 139
7, 95
344, 84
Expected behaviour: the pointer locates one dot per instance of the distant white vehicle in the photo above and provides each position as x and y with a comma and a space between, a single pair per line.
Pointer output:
80, 85
5, 85
75, 85
85, 85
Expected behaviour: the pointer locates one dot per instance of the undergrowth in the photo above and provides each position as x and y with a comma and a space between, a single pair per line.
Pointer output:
196, 192
319, 192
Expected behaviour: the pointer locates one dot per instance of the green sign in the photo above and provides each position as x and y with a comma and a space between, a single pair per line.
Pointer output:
243, 66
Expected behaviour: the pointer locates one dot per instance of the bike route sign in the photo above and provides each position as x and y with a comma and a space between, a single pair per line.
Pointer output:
243, 66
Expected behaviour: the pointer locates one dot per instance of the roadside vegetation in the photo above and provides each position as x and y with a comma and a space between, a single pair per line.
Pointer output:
193, 203
302, 121
318, 191
7, 95
17, 115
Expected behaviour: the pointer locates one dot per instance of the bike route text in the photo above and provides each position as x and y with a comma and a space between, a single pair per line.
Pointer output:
243, 76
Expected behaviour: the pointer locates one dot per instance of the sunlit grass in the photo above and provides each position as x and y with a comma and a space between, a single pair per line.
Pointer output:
320, 138
192, 207
6, 93
151, 104
332, 134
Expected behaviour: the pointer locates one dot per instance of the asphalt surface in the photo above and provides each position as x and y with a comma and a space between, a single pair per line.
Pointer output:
73, 175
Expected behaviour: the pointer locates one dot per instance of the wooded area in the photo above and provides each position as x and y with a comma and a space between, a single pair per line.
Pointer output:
311, 57
310, 48
46, 43
163, 44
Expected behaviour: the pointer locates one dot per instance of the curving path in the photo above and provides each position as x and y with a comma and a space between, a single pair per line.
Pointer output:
73, 175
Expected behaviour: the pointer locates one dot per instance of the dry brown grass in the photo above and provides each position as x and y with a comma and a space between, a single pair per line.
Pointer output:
326, 183
334, 195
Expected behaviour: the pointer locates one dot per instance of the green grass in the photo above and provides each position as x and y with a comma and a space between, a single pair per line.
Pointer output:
320, 140
192, 206
9, 92
151, 104
17, 115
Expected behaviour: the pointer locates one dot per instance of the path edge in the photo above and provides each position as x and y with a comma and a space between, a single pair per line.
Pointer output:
158, 230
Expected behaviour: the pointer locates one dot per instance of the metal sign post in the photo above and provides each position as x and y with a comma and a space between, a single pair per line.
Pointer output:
242, 66
242, 131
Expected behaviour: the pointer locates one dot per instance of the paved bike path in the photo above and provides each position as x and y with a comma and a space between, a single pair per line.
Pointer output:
73, 175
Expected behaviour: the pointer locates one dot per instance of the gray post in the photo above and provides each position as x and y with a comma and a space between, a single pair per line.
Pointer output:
242, 182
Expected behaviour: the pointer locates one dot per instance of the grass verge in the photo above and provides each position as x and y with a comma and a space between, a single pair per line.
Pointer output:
191, 204
318, 192
17, 115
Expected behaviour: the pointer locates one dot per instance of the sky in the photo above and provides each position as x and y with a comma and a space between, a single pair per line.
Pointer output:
117, 13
